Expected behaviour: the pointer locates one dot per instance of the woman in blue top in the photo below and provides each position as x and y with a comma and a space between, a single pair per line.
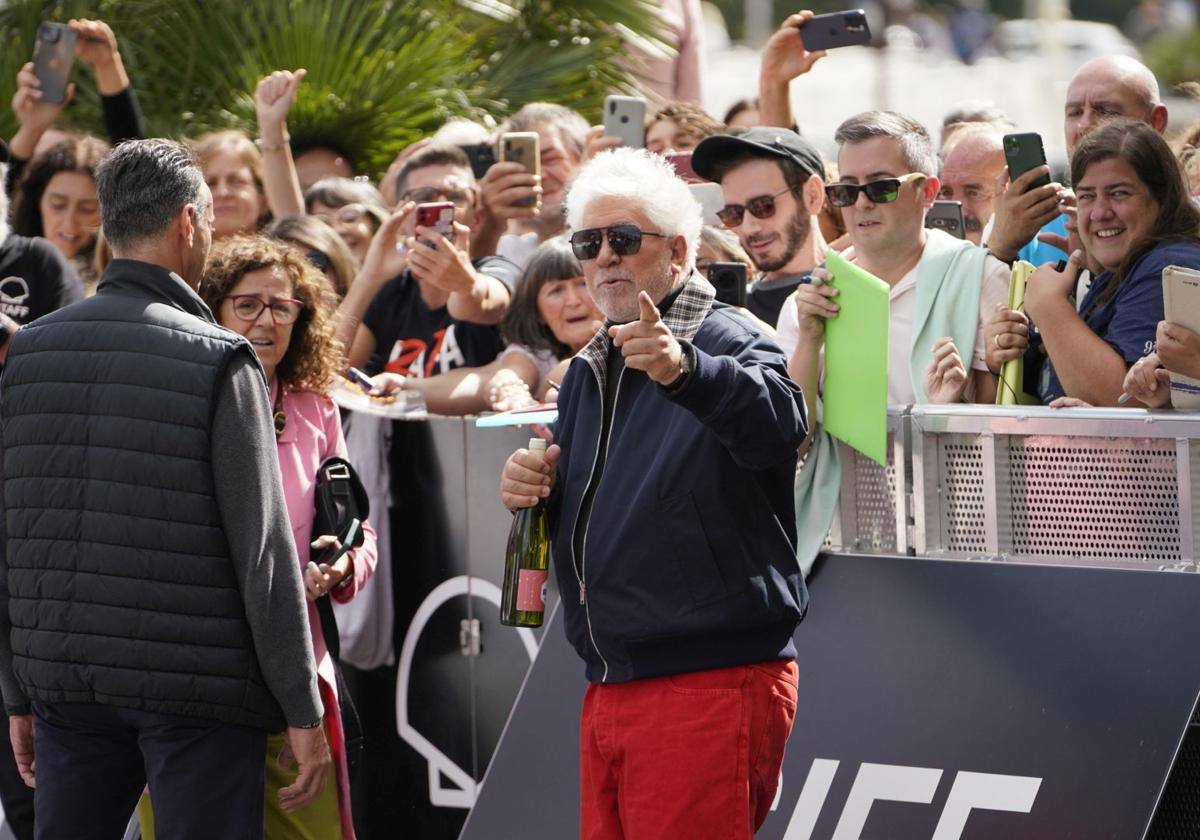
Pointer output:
1134, 219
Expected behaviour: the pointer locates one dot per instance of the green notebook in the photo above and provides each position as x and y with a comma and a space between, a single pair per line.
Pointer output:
856, 360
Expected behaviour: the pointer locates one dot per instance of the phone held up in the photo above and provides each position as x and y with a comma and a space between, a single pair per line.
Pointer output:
729, 279
522, 147
681, 162
625, 117
438, 215
481, 156
1024, 152
838, 29
53, 56
947, 216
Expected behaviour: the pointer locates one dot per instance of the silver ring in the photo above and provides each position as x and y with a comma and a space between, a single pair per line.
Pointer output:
996, 339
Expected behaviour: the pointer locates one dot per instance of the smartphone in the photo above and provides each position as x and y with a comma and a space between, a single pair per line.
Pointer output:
682, 164
1024, 152
522, 147
838, 29
438, 215
360, 379
53, 56
625, 117
729, 279
482, 156
947, 216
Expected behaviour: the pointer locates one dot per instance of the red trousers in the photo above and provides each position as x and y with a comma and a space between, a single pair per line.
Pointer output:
693, 756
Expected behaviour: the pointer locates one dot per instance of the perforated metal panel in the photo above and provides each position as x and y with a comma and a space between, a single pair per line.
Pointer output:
1178, 814
1094, 497
875, 504
964, 508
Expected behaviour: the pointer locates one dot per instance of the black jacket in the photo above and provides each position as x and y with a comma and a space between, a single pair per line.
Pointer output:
689, 555
122, 590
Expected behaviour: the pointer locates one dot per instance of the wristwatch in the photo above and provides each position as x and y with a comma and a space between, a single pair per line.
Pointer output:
687, 363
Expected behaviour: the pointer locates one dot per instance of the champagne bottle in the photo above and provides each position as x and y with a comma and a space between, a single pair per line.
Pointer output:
526, 562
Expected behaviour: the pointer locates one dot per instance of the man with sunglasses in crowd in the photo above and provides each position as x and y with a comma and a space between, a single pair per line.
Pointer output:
420, 307
673, 522
941, 288
774, 185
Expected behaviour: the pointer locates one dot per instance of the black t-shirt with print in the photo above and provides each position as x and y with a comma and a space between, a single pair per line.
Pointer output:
412, 339
35, 279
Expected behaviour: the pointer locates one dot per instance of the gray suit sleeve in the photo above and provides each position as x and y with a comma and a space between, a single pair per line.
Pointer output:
249, 492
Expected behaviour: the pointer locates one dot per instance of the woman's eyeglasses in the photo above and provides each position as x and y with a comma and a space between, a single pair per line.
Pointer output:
760, 207
284, 311
319, 260
624, 240
347, 214
883, 191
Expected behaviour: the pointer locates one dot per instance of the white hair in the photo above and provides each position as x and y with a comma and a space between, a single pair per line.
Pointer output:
3, 202
460, 132
648, 182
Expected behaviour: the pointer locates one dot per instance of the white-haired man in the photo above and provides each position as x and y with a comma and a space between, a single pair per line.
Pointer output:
670, 498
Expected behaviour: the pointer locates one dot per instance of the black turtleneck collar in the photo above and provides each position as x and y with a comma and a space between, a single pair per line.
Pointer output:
153, 282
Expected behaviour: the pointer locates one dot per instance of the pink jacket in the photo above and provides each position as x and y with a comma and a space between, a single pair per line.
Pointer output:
312, 434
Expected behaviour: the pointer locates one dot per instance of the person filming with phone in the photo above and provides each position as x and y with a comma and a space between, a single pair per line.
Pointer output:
1135, 219
681, 593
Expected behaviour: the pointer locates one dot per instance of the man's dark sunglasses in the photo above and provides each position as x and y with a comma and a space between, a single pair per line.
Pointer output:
624, 240
883, 191
760, 207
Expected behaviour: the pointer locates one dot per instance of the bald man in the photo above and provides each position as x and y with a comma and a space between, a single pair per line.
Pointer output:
972, 161
1104, 88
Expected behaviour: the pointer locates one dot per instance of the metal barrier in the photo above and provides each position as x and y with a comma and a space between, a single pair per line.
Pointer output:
1030, 484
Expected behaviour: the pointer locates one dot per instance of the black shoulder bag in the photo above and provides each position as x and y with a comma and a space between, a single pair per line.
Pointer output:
341, 509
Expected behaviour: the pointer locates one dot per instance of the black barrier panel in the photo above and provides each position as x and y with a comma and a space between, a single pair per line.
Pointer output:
994, 701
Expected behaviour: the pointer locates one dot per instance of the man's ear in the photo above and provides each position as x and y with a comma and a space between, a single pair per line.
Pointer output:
188, 219
813, 192
679, 251
930, 188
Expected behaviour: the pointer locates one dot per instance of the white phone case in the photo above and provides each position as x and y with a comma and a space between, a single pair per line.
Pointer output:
625, 117
1181, 305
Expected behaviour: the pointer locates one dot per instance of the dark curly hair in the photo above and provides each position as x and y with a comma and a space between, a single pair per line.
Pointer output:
314, 354
81, 153
522, 323
690, 118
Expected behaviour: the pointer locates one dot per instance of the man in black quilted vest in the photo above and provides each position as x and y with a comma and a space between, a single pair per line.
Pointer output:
155, 628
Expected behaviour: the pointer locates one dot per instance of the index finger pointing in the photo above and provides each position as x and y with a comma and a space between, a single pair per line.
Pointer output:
649, 312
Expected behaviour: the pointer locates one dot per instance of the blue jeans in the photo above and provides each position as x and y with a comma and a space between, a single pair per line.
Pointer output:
92, 762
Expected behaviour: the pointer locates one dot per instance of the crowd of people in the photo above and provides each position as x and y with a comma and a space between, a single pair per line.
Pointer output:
561, 285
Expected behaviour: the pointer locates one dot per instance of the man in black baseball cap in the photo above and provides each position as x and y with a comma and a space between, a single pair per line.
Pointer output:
774, 185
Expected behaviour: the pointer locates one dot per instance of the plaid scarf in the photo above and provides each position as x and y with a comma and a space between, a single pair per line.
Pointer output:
683, 319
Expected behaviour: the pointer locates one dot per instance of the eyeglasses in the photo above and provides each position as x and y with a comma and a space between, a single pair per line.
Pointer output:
347, 214
883, 191
760, 207
625, 240
318, 260
284, 311
425, 195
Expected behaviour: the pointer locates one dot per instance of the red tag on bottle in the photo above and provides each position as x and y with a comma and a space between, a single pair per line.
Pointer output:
531, 588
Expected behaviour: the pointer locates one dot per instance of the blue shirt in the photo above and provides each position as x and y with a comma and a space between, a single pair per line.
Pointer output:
1128, 320
1038, 253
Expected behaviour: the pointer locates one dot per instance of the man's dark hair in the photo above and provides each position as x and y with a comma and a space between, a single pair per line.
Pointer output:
915, 145
436, 155
142, 185
793, 174
1151, 159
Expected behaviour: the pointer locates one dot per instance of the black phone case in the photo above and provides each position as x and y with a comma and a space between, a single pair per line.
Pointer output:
1024, 152
482, 156
839, 29
729, 279
944, 217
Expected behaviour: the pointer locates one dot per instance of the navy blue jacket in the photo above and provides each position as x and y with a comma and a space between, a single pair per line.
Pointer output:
689, 557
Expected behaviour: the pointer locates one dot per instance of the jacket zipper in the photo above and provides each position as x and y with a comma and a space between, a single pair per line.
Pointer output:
581, 567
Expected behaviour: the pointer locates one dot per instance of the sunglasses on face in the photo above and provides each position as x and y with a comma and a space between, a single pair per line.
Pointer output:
427, 195
883, 191
284, 311
318, 260
760, 207
624, 240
